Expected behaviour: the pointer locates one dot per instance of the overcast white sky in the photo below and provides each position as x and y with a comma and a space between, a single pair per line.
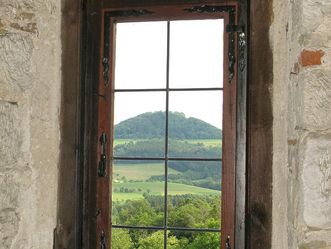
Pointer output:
196, 60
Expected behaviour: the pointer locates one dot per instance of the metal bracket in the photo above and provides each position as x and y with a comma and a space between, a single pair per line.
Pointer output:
232, 29
102, 169
242, 48
126, 13
210, 9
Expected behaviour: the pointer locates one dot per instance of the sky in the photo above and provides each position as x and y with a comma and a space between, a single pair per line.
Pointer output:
195, 61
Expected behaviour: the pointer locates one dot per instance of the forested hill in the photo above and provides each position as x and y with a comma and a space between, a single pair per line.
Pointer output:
151, 125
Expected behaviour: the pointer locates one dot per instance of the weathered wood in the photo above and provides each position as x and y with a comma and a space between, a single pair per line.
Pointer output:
91, 35
241, 147
67, 233
260, 119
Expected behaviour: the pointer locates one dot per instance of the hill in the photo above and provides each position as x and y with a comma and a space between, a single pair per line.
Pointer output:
151, 125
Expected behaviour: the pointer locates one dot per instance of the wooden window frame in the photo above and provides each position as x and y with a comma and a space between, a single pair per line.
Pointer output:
77, 209
105, 92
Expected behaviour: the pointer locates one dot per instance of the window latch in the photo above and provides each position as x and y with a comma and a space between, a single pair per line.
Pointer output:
102, 172
102, 240
227, 243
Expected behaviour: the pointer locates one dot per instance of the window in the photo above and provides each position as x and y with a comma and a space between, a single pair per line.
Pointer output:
167, 127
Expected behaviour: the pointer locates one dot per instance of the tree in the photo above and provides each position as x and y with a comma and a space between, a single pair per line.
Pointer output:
121, 239
205, 241
156, 240
151, 125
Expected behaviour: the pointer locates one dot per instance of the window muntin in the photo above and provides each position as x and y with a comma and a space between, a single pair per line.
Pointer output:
212, 93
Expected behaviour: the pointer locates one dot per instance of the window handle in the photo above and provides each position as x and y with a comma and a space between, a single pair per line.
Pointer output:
102, 170
102, 240
227, 243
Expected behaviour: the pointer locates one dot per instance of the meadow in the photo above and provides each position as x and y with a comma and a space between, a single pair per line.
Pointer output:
157, 188
132, 180
140, 171
205, 142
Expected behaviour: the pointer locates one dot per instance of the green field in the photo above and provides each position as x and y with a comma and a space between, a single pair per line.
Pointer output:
131, 180
141, 171
157, 188
206, 142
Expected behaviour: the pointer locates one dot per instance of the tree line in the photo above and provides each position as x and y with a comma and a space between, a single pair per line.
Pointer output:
191, 211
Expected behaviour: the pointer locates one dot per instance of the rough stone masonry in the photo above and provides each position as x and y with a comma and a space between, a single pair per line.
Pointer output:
302, 124
30, 87
30, 83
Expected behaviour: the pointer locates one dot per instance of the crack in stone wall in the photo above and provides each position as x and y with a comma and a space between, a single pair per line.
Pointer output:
30, 83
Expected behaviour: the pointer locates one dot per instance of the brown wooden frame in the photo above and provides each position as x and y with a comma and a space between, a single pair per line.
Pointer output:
103, 196
77, 210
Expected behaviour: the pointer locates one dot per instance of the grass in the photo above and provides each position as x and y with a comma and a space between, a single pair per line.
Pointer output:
140, 172
143, 171
157, 188
206, 142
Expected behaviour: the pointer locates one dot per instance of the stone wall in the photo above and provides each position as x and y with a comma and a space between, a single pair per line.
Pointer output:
30, 87
302, 124
30, 82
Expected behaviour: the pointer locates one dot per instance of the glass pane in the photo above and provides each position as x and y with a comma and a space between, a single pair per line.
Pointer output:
138, 193
139, 124
194, 194
195, 123
196, 53
199, 240
141, 55
137, 239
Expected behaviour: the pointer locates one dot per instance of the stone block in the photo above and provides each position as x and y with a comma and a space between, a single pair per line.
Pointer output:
315, 109
9, 221
15, 57
316, 181
10, 134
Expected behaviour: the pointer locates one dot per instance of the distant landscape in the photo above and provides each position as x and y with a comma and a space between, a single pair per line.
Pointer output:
194, 187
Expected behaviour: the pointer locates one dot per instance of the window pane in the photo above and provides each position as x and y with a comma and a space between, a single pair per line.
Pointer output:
195, 123
201, 240
139, 124
141, 52
137, 239
138, 193
196, 53
194, 194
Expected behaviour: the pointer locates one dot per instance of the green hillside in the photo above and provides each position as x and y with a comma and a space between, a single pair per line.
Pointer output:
152, 125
